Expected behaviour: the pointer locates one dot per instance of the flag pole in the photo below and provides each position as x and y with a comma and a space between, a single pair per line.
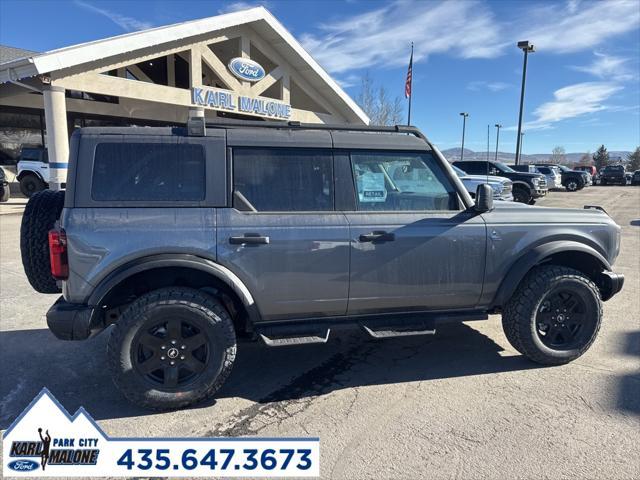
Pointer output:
410, 85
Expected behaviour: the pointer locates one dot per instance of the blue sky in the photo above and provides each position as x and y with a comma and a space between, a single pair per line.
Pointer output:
583, 82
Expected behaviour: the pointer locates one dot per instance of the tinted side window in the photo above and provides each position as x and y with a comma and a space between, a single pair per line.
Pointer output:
397, 181
148, 172
283, 179
474, 168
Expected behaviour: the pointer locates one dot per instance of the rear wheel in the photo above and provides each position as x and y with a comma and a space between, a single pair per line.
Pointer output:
171, 348
521, 195
31, 184
554, 316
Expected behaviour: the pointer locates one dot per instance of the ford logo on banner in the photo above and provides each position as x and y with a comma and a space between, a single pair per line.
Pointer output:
23, 465
246, 69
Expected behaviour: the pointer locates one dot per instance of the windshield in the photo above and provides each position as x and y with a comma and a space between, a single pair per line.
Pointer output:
563, 168
459, 172
504, 168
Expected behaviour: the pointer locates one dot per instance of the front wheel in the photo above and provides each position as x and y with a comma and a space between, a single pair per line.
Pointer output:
554, 316
521, 195
30, 185
171, 348
572, 185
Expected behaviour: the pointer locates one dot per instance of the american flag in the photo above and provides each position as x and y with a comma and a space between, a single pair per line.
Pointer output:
407, 85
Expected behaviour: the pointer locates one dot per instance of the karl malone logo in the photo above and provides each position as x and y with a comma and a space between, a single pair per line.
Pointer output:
63, 441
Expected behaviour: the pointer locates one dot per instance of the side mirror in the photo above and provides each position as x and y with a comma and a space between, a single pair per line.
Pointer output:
484, 198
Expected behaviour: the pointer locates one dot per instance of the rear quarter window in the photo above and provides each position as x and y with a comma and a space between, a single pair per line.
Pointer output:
148, 172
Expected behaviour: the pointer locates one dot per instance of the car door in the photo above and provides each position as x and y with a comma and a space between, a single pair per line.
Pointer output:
413, 246
283, 237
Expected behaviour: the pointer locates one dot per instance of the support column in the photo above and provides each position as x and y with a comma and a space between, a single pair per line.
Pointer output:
55, 113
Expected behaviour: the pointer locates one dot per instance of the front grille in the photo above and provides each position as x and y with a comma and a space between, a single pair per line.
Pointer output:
542, 183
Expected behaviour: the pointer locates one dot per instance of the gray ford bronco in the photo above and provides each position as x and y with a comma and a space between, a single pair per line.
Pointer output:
183, 241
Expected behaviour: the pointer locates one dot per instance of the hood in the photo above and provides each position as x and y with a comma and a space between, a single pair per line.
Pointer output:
537, 214
483, 178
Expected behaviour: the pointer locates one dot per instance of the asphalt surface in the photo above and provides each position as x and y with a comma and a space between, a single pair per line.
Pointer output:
460, 404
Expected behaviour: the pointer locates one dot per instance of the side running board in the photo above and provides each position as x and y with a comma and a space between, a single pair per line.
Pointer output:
403, 327
280, 337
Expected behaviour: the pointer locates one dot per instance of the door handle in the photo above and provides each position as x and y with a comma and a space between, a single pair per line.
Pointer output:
378, 236
249, 239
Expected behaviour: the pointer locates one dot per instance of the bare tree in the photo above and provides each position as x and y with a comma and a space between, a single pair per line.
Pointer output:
377, 105
586, 159
558, 155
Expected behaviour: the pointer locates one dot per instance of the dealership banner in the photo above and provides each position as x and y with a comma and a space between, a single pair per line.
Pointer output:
45, 441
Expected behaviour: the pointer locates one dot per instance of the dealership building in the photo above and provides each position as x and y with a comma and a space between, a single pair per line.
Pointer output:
242, 65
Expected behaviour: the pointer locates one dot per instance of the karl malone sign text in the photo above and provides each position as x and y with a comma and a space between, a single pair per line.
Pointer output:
232, 102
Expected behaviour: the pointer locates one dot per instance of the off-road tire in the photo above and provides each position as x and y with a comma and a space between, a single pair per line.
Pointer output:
222, 342
519, 314
31, 184
40, 215
521, 195
5, 193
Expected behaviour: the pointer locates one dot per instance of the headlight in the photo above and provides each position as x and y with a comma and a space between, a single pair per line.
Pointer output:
536, 181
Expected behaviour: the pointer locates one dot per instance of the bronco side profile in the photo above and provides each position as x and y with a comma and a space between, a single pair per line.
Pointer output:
187, 243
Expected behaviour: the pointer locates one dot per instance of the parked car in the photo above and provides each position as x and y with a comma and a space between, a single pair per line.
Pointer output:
278, 232
572, 180
613, 175
635, 179
527, 187
502, 187
568, 173
33, 170
5, 193
552, 175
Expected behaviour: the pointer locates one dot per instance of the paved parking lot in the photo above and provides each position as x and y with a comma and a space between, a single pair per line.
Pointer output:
460, 404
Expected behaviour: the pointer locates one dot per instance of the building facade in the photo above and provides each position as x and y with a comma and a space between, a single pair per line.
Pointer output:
243, 65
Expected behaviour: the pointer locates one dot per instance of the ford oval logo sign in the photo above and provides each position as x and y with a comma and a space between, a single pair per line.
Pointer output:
23, 465
246, 69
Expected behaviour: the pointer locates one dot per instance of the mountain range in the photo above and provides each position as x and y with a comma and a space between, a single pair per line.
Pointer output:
453, 154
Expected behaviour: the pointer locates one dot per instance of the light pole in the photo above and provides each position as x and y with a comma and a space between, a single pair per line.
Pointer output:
488, 142
464, 125
526, 47
521, 143
498, 127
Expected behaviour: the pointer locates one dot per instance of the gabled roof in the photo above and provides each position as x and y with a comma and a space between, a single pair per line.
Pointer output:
262, 21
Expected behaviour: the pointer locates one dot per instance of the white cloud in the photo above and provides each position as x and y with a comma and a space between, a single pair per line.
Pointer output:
230, 7
607, 67
128, 24
479, 85
572, 101
382, 37
577, 26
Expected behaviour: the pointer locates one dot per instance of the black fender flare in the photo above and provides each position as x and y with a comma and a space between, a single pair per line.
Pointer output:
536, 256
522, 184
24, 173
176, 260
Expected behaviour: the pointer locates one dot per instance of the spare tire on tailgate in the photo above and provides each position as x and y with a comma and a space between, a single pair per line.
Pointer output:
40, 215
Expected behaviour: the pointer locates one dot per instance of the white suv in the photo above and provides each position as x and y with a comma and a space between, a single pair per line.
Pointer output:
33, 170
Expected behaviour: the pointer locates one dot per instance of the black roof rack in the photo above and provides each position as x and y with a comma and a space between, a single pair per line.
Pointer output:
406, 129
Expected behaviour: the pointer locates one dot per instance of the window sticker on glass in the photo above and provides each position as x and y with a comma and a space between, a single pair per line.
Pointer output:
371, 187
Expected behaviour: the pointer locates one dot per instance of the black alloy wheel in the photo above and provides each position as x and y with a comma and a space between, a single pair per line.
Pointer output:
171, 353
562, 322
